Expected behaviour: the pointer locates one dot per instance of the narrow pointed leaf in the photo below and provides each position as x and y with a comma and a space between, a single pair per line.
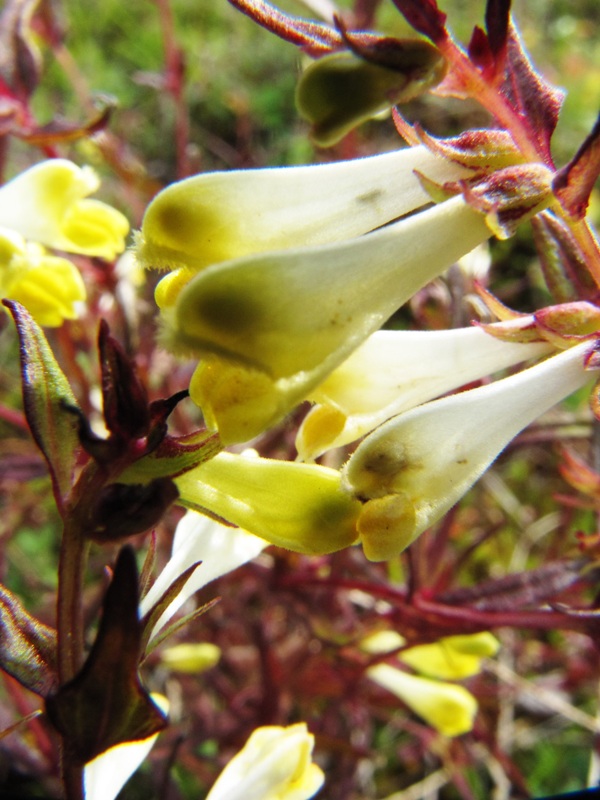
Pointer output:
425, 17
46, 393
573, 184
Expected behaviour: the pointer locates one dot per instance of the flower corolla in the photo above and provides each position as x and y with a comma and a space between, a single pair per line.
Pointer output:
274, 764
416, 466
448, 708
275, 284
394, 371
48, 206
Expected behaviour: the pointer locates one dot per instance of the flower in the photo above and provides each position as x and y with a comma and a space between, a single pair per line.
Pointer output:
301, 507
415, 466
274, 764
397, 370
50, 287
448, 708
45, 206
48, 204
272, 313
450, 658
105, 776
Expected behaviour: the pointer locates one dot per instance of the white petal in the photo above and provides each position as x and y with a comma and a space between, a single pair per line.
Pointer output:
105, 776
226, 215
416, 466
397, 370
198, 538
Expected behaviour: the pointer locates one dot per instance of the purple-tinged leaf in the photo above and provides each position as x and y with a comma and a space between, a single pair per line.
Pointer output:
126, 412
313, 37
483, 150
425, 17
510, 196
480, 52
573, 184
521, 589
27, 646
150, 619
148, 566
181, 623
46, 392
497, 19
105, 704
568, 322
561, 259
173, 457
537, 102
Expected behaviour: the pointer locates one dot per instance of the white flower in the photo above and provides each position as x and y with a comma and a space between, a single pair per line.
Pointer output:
397, 370
414, 467
275, 764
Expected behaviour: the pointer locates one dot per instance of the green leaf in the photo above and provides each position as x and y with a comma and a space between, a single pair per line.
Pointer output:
46, 395
27, 646
105, 704
173, 457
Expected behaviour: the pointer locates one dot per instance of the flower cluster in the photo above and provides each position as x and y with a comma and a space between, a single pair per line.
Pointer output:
48, 206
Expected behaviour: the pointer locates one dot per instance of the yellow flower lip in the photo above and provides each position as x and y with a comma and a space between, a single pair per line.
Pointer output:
59, 215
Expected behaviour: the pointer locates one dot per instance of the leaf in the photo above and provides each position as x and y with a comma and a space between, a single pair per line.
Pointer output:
573, 184
315, 38
484, 149
105, 704
425, 17
20, 59
173, 457
27, 646
46, 393
561, 259
126, 412
537, 102
497, 20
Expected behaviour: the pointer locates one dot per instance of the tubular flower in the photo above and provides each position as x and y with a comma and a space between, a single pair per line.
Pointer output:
450, 658
448, 708
415, 466
397, 370
45, 206
301, 507
274, 764
291, 291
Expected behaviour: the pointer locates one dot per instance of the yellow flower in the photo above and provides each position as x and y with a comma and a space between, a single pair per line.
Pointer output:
191, 657
301, 507
275, 285
50, 287
274, 764
46, 206
416, 466
448, 708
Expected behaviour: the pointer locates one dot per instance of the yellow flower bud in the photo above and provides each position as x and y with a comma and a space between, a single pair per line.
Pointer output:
448, 708
190, 657
274, 764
